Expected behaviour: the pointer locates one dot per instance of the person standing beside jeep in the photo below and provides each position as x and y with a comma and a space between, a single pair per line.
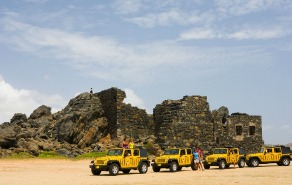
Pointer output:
201, 158
196, 158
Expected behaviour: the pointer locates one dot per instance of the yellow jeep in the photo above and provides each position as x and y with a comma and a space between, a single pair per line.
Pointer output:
121, 159
224, 157
174, 159
279, 155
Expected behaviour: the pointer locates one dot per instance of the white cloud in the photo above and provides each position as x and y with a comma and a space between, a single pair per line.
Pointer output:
127, 6
198, 34
166, 18
259, 33
109, 59
245, 33
134, 99
24, 101
239, 7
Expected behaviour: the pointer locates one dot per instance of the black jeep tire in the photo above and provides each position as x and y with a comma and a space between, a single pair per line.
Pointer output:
173, 167
126, 171
155, 168
222, 164
95, 172
254, 162
241, 163
285, 161
193, 167
206, 166
279, 164
143, 167
114, 169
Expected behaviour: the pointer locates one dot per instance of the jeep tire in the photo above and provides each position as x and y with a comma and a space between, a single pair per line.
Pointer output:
206, 166
114, 169
222, 164
95, 171
143, 168
241, 163
126, 171
285, 161
173, 167
155, 168
254, 162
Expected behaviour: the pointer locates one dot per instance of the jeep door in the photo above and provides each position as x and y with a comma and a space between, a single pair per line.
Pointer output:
183, 159
127, 161
233, 156
277, 153
268, 155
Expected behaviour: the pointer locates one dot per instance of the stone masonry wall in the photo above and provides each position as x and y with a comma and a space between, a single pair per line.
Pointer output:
249, 141
189, 122
185, 122
124, 119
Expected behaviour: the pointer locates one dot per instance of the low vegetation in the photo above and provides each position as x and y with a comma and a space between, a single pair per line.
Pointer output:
53, 155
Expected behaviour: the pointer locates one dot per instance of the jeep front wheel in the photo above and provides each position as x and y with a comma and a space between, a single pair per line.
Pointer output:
241, 163
222, 164
254, 162
95, 172
207, 166
126, 171
143, 168
173, 167
285, 161
155, 168
114, 169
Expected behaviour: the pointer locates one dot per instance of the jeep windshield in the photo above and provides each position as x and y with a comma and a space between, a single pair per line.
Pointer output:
220, 151
115, 152
171, 152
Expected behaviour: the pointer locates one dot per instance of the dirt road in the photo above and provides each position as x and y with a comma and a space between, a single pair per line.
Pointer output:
40, 171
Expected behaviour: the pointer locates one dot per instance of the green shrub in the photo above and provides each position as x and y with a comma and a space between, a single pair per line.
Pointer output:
20, 155
91, 155
50, 155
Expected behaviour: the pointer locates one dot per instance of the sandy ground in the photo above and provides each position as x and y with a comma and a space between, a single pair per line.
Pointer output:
39, 171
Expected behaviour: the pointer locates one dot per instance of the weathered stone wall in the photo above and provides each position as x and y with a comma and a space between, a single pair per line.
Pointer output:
185, 122
111, 100
124, 119
250, 142
189, 122
135, 123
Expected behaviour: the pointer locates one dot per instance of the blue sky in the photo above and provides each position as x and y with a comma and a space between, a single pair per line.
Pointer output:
238, 53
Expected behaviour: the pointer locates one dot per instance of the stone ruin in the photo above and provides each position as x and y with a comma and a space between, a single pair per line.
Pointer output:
189, 122
92, 121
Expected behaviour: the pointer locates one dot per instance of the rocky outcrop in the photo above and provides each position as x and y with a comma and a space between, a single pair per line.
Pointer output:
96, 121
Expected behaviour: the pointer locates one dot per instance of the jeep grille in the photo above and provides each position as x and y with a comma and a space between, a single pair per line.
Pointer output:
211, 159
160, 160
99, 162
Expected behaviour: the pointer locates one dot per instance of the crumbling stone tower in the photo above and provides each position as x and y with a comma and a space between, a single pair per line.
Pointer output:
124, 120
